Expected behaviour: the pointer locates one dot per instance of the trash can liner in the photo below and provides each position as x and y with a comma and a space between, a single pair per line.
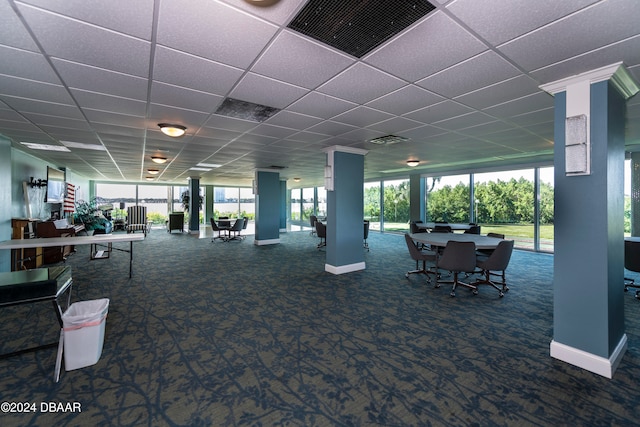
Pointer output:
84, 326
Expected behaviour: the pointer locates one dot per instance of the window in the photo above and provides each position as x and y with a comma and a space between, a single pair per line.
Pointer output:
448, 198
372, 204
396, 205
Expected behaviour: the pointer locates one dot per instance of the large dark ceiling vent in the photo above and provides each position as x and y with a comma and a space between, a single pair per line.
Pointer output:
245, 110
357, 27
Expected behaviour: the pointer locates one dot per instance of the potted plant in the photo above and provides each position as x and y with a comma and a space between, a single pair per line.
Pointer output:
88, 214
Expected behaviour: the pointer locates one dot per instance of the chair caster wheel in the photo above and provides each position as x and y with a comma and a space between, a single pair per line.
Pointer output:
436, 286
475, 292
453, 294
501, 294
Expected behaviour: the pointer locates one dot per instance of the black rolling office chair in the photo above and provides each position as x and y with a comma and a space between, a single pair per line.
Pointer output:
632, 263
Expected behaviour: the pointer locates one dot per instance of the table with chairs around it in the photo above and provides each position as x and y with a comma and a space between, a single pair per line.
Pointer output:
227, 232
462, 254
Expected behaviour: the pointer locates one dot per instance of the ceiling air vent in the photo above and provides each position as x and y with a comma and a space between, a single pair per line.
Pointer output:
245, 110
356, 27
388, 140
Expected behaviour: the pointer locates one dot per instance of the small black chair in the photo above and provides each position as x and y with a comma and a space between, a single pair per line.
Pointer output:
312, 222
421, 255
236, 228
632, 263
366, 234
321, 231
496, 262
459, 257
214, 227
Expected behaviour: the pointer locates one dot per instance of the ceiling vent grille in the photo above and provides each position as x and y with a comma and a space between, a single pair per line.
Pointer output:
245, 110
388, 140
356, 27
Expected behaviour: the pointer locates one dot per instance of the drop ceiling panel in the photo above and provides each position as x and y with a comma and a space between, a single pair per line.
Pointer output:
517, 17
99, 101
500, 92
437, 112
30, 89
293, 120
362, 117
136, 21
180, 69
360, 84
180, 97
404, 100
265, 91
26, 65
282, 61
39, 107
59, 37
525, 104
231, 43
432, 45
101, 81
319, 105
480, 71
588, 31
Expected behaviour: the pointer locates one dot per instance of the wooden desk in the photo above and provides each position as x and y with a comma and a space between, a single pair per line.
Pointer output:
95, 240
441, 239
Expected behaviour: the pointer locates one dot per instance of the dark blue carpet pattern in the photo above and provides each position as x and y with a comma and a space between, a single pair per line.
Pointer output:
233, 334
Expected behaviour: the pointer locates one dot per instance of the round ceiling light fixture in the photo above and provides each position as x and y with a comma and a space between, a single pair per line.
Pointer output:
172, 130
262, 3
413, 163
158, 159
153, 171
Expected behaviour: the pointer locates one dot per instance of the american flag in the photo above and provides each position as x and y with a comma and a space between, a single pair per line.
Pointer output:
70, 198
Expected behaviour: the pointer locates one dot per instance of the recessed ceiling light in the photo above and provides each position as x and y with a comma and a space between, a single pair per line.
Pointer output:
159, 159
153, 171
149, 178
208, 165
83, 146
45, 147
200, 169
413, 163
296, 179
172, 130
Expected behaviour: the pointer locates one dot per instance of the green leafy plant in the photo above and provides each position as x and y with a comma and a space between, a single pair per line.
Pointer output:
89, 214
185, 198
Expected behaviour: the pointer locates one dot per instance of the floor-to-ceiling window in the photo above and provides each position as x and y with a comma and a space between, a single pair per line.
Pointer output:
546, 209
295, 204
448, 199
154, 197
308, 203
504, 202
396, 205
321, 206
372, 204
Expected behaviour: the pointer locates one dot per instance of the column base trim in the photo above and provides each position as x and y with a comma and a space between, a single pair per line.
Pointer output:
341, 269
266, 242
590, 362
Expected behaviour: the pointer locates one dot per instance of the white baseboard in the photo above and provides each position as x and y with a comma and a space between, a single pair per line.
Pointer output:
266, 242
283, 230
596, 364
341, 269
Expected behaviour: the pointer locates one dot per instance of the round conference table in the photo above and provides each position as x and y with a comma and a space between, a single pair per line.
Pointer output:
441, 239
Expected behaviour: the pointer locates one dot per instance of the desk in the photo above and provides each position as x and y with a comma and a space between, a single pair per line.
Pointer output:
30, 286
95, 240
441, 239
432, 225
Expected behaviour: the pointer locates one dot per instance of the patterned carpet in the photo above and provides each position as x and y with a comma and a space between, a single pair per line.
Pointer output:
234, 334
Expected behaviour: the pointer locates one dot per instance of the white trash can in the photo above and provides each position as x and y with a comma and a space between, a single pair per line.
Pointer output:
83, 325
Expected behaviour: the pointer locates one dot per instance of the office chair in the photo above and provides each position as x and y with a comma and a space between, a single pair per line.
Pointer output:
366, 234
312, 222
236, 228
473, 229
321, 231
496, 262
215, 227
458, 257
632, 263
420, 255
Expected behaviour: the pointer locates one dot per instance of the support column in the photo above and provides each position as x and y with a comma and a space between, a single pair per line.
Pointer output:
416, 197
344, 181
194, 205
267, 188
588, 223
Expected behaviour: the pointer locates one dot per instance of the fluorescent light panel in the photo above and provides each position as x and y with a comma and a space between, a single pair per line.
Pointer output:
45, 147
84, 146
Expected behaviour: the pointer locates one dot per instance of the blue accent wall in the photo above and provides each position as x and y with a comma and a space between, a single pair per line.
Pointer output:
588, 224
268, 206
345, 207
